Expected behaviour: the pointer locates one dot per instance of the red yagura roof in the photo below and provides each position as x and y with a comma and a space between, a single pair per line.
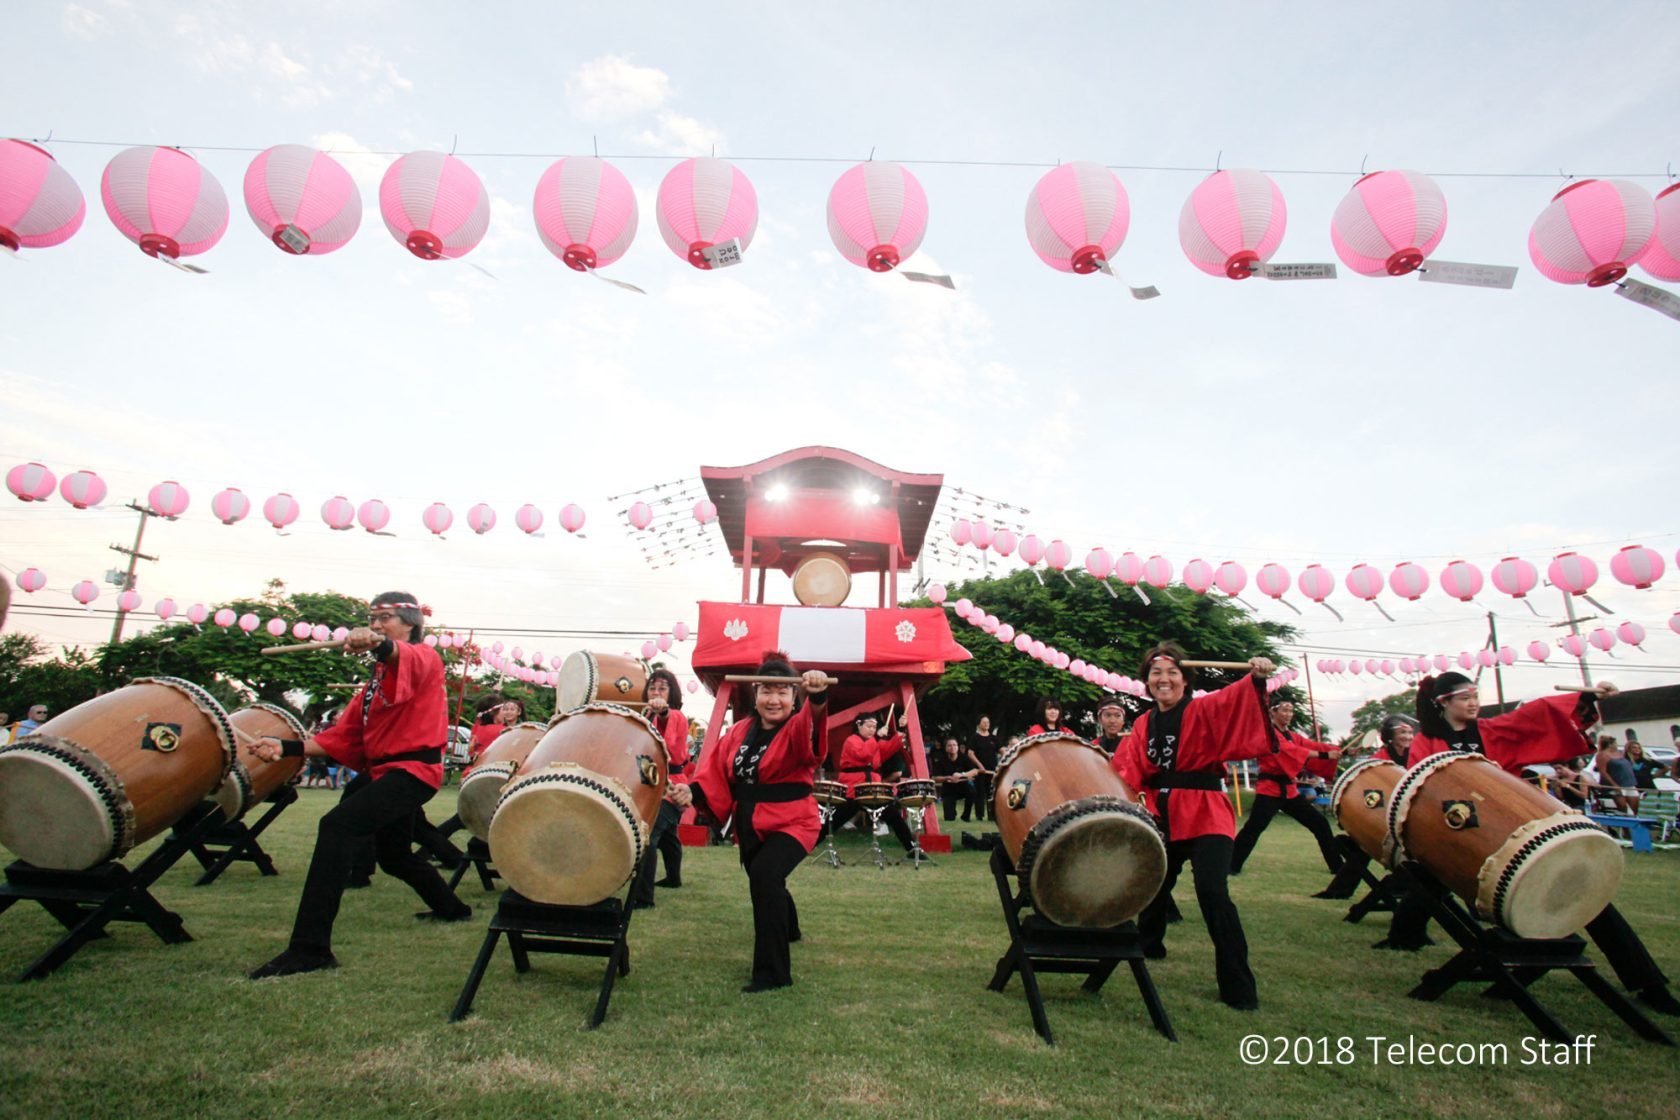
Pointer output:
816, 477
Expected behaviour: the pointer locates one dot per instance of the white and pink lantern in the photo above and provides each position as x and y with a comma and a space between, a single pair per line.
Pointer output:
1592, 231
1099, 562
82, 489
877, 214
164, 202
302, 200
664, 641
1486, 658
1077, 217
128, 601
1573, 645
197, 613
1662, 256
249, 622
168, 500
1057, 555
340, 633
640, 515
529, 518
1572, 572
1031, 549
704, 203
1316, 583
481, 519
1539, 651
40, 204
1389, 222
705, 512
1198, 576
339, 513
980, 535
1003, 542
679, 631
962, 531
1637, 566
1515, 577
280, 510
230, 506
224, 617
1462, 580
437, 519
1442, 662
1409, 581
301, 630
85, 592
276, 627
1602, 639
649, 649
374, 515
31, 482
1354, 667
1232, 223
165, 609
693, 686
434, 205
1157, 571
1273, 581
1507, 655
585, 211
1631, 633
571, 517
936, 593
320, 633
1230, 578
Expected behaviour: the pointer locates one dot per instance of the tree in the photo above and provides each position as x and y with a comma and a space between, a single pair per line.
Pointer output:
1080, 617
28, 676
1369, 715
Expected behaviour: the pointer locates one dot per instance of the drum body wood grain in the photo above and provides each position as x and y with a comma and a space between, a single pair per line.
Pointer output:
1087, 852
600, 678
94, 781
571, 826
1360, 799
482, 784
250, 780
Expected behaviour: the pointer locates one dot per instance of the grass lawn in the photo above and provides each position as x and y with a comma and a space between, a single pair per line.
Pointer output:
889, 1014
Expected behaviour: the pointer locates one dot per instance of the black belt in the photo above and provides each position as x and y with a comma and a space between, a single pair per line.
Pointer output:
432, 755
857, 769
1184, 779
759, 793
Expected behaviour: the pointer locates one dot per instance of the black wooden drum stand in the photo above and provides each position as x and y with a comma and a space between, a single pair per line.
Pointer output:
85, 902
477, 857
1511, 963
535, 927
1037, 944
236, 842
1380, 899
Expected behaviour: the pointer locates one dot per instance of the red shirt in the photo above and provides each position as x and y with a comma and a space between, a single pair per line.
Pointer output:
482, 736
861, 759
672, 726
1544, 730
407, 710
1294, 753
1221, 727
792, 756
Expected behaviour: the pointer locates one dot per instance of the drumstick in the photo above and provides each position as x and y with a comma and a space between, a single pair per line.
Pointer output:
750, 678
1575, 687
301, 646
1215, 665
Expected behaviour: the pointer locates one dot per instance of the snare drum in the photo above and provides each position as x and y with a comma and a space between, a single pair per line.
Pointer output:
1520, 857
1087, 852
92, 782
571, 826
251, 780
916, 793
829, 793
873, 795
600, 678
481, 785
1360, 800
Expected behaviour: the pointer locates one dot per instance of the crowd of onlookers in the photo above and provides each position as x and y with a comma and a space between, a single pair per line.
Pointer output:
1615, 775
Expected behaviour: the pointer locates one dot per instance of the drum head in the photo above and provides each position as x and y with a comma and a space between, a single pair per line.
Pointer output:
873, 795
829, 793
1098, 870
1563, 883
822, 579
917, 793
565, 837
578, 678
50, 815
233, 796
475, 804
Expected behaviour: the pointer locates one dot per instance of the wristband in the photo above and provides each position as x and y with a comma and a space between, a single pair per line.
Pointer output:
291, 748
384, 650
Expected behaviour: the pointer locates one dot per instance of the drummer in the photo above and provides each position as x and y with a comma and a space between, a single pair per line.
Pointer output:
1049, 718
1276, 792
1175, 753
862, 759
761, 772
1111, 725
663, 697
393, 731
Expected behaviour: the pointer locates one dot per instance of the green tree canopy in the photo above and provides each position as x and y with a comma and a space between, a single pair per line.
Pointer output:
1369, 715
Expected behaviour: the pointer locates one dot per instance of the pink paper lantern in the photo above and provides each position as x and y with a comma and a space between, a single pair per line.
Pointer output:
528, 518
481, 519
1231, 578
1409, 581
301, 631
705, 512
702, 203
1632, 633
693, 686
1157, 571
40, 204
1316, 582
571, 517
1060, 660
1387, 667
168, 500
1005, 633
537, 659
320, 633
1389, 222
1077, 667
980, 535
1539, 651
437, 519
664, 641
1407, 665
1038, 649
640, 515
280, 510
1098, 562
648, 650
1077, 217
339, 513
1371, 666
31, 482
1003, 542
374, 515
1364, 582
340, 633
81, 488
1572, 572
302, 200
249, 622
1272, 580
276, 626
1198, 576
1662, 256
964, 608
1128, 568
1573, 645
586, 212
225, 618
1442, 663
961, 531
1023, 641
1057, 555
1354, 667
431, 640
1485, 658
1232, 223
445, 641
1466, 661
989, 624
128, 601
877, 214
85, 592
1592, 231
936, 593
434, 205
1032, 550
1602, 639
1462, 580
197, 613
679, 631
1514, 576
31, 580
1507, 655
230, 506
165, 609
1637, 566
164, 202
517, 653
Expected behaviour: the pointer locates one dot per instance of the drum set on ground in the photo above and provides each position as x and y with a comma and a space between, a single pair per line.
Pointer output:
911, 796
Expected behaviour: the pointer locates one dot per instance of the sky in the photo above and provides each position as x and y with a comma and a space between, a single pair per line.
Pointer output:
1359, 420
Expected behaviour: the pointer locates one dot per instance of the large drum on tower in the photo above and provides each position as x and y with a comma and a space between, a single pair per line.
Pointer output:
604, 678
571, 827
92, 782
1087, 852
251, 780
481, 785
822, 579
1518, 856
1360, 800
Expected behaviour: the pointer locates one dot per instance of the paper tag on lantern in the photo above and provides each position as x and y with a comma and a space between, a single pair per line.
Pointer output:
1149, 292
1657, 299
615, 283
929, 278
1298, 271
294, 239
173, 263
1470, 275
723, 254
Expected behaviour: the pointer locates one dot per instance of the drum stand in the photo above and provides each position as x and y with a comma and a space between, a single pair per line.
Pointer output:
85, 902
916, 857
831, 854
477, 857
1511, 963
236, 842
874, 840
1037, 944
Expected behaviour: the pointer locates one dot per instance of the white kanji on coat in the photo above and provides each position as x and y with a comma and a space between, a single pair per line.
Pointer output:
735, 629
906, 631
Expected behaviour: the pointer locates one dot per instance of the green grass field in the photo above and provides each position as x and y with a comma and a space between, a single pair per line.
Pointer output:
889, 1014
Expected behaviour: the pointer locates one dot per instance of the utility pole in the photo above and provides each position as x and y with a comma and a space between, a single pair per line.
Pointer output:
1575, 629
134, 556
1493, 644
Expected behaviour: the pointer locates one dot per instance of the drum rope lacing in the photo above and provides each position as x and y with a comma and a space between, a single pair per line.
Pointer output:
291, 721
1070, 811
100, 778
1538, 840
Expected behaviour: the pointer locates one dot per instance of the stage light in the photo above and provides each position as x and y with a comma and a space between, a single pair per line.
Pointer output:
777, 493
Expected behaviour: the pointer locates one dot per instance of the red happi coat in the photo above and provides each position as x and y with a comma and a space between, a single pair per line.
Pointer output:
1224, 726
1544, 730
792, 756
482, 736
1278, 771
405, 710
861, 759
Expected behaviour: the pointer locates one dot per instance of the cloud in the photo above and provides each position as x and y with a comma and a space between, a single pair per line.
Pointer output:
365, 167
453, 307
612, 88
682, 135
83, 23
372, 70
304, 90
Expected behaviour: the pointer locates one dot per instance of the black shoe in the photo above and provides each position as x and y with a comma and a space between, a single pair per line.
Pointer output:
461, 915
638, 904
1155, 952
1242, 1004
358, 884
1336, 894
1402, 946
761, 986
1659, 998
1236, 871
292, 962
668, 882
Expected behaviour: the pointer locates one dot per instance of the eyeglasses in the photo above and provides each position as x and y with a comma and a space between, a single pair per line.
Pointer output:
383, 616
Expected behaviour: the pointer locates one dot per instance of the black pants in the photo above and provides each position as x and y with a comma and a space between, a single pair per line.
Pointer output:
671, 851
1210, 864
768, 861
382, 811
361, 855
433, 842
890, 816
1350, 874
980, 797
665, 824
1297, 809
949, 792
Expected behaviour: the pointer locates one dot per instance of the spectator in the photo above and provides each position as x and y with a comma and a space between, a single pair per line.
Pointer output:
1645, 770
983, 753
955, 777
37, 716
1615, 776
